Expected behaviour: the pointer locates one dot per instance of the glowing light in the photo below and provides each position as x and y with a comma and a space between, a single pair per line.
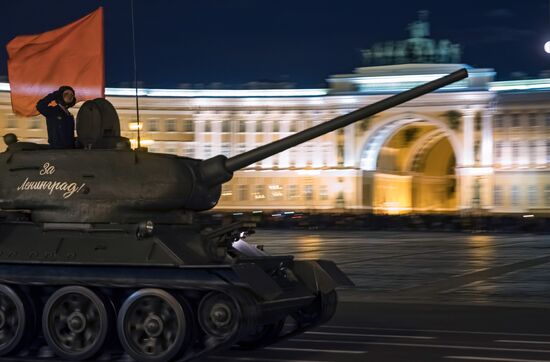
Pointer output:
230, 93
134, 126
528, 216
133, 142
547, 47
529, 84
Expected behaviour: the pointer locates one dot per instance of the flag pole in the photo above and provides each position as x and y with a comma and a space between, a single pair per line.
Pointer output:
135, 73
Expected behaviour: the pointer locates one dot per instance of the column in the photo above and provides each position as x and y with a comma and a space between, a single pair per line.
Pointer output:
468, 134
487, 140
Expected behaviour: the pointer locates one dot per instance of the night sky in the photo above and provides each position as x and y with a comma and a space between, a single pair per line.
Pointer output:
297, 41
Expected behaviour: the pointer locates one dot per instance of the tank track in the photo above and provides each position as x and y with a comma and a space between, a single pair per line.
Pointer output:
86, 312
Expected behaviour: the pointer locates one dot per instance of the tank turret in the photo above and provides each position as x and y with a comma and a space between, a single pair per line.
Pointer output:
107, 182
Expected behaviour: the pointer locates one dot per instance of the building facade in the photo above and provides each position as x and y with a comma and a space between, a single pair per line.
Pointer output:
475, 146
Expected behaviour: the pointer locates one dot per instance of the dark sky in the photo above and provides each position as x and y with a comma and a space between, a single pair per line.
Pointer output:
297, 41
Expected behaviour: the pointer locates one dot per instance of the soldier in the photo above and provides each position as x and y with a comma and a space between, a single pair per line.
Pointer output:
60, 122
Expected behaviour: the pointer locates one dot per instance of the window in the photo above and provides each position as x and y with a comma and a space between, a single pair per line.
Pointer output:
499, 121
515, 120
242, 126
498, 151
227, 192
207, 151
207, 126
259, 193
275, 126
293, 127
189, 150
226, 149
547, 195
259, 127
293, 192
276, 192
497, 195
532, 195
532, 120
170, 125
188, 126
243, 192
226, 126
153, 125
515, 195
515, 151
308, 192
241, 148
11, 121
323, 192
171, 150
35, 123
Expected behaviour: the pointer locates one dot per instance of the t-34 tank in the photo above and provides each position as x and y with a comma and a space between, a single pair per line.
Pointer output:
99, 250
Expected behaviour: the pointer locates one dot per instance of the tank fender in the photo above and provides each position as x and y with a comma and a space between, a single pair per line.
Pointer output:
259, 281
320, 275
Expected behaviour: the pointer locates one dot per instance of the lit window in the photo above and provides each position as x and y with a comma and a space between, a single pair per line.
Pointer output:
532, 195
243, 192
293, 192
259, 193
308, 192
497, 195
276, 192
153, 125
515, 195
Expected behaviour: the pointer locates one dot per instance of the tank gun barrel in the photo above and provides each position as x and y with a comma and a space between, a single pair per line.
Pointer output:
219, 169
247, 158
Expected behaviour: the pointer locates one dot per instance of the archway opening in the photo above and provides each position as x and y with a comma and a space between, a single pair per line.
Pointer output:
414, 171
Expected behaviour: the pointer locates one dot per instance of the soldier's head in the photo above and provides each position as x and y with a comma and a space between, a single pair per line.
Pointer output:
67, 96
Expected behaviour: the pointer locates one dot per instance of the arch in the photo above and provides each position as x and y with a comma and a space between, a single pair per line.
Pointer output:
382, 131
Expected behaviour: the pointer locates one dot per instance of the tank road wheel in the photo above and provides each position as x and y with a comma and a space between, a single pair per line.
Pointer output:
320, 311
75, 323
153, 326
219, 315
15, 320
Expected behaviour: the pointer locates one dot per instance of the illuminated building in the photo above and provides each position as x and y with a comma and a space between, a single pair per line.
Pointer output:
478, 145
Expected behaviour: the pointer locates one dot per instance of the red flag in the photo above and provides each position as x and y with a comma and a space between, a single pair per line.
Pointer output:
70, 55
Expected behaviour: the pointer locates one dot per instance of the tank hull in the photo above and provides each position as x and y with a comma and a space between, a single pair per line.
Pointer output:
41, 262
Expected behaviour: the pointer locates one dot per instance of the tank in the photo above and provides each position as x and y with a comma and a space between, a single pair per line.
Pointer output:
101, 250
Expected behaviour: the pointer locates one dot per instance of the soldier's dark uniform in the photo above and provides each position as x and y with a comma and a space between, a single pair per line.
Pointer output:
60, 122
